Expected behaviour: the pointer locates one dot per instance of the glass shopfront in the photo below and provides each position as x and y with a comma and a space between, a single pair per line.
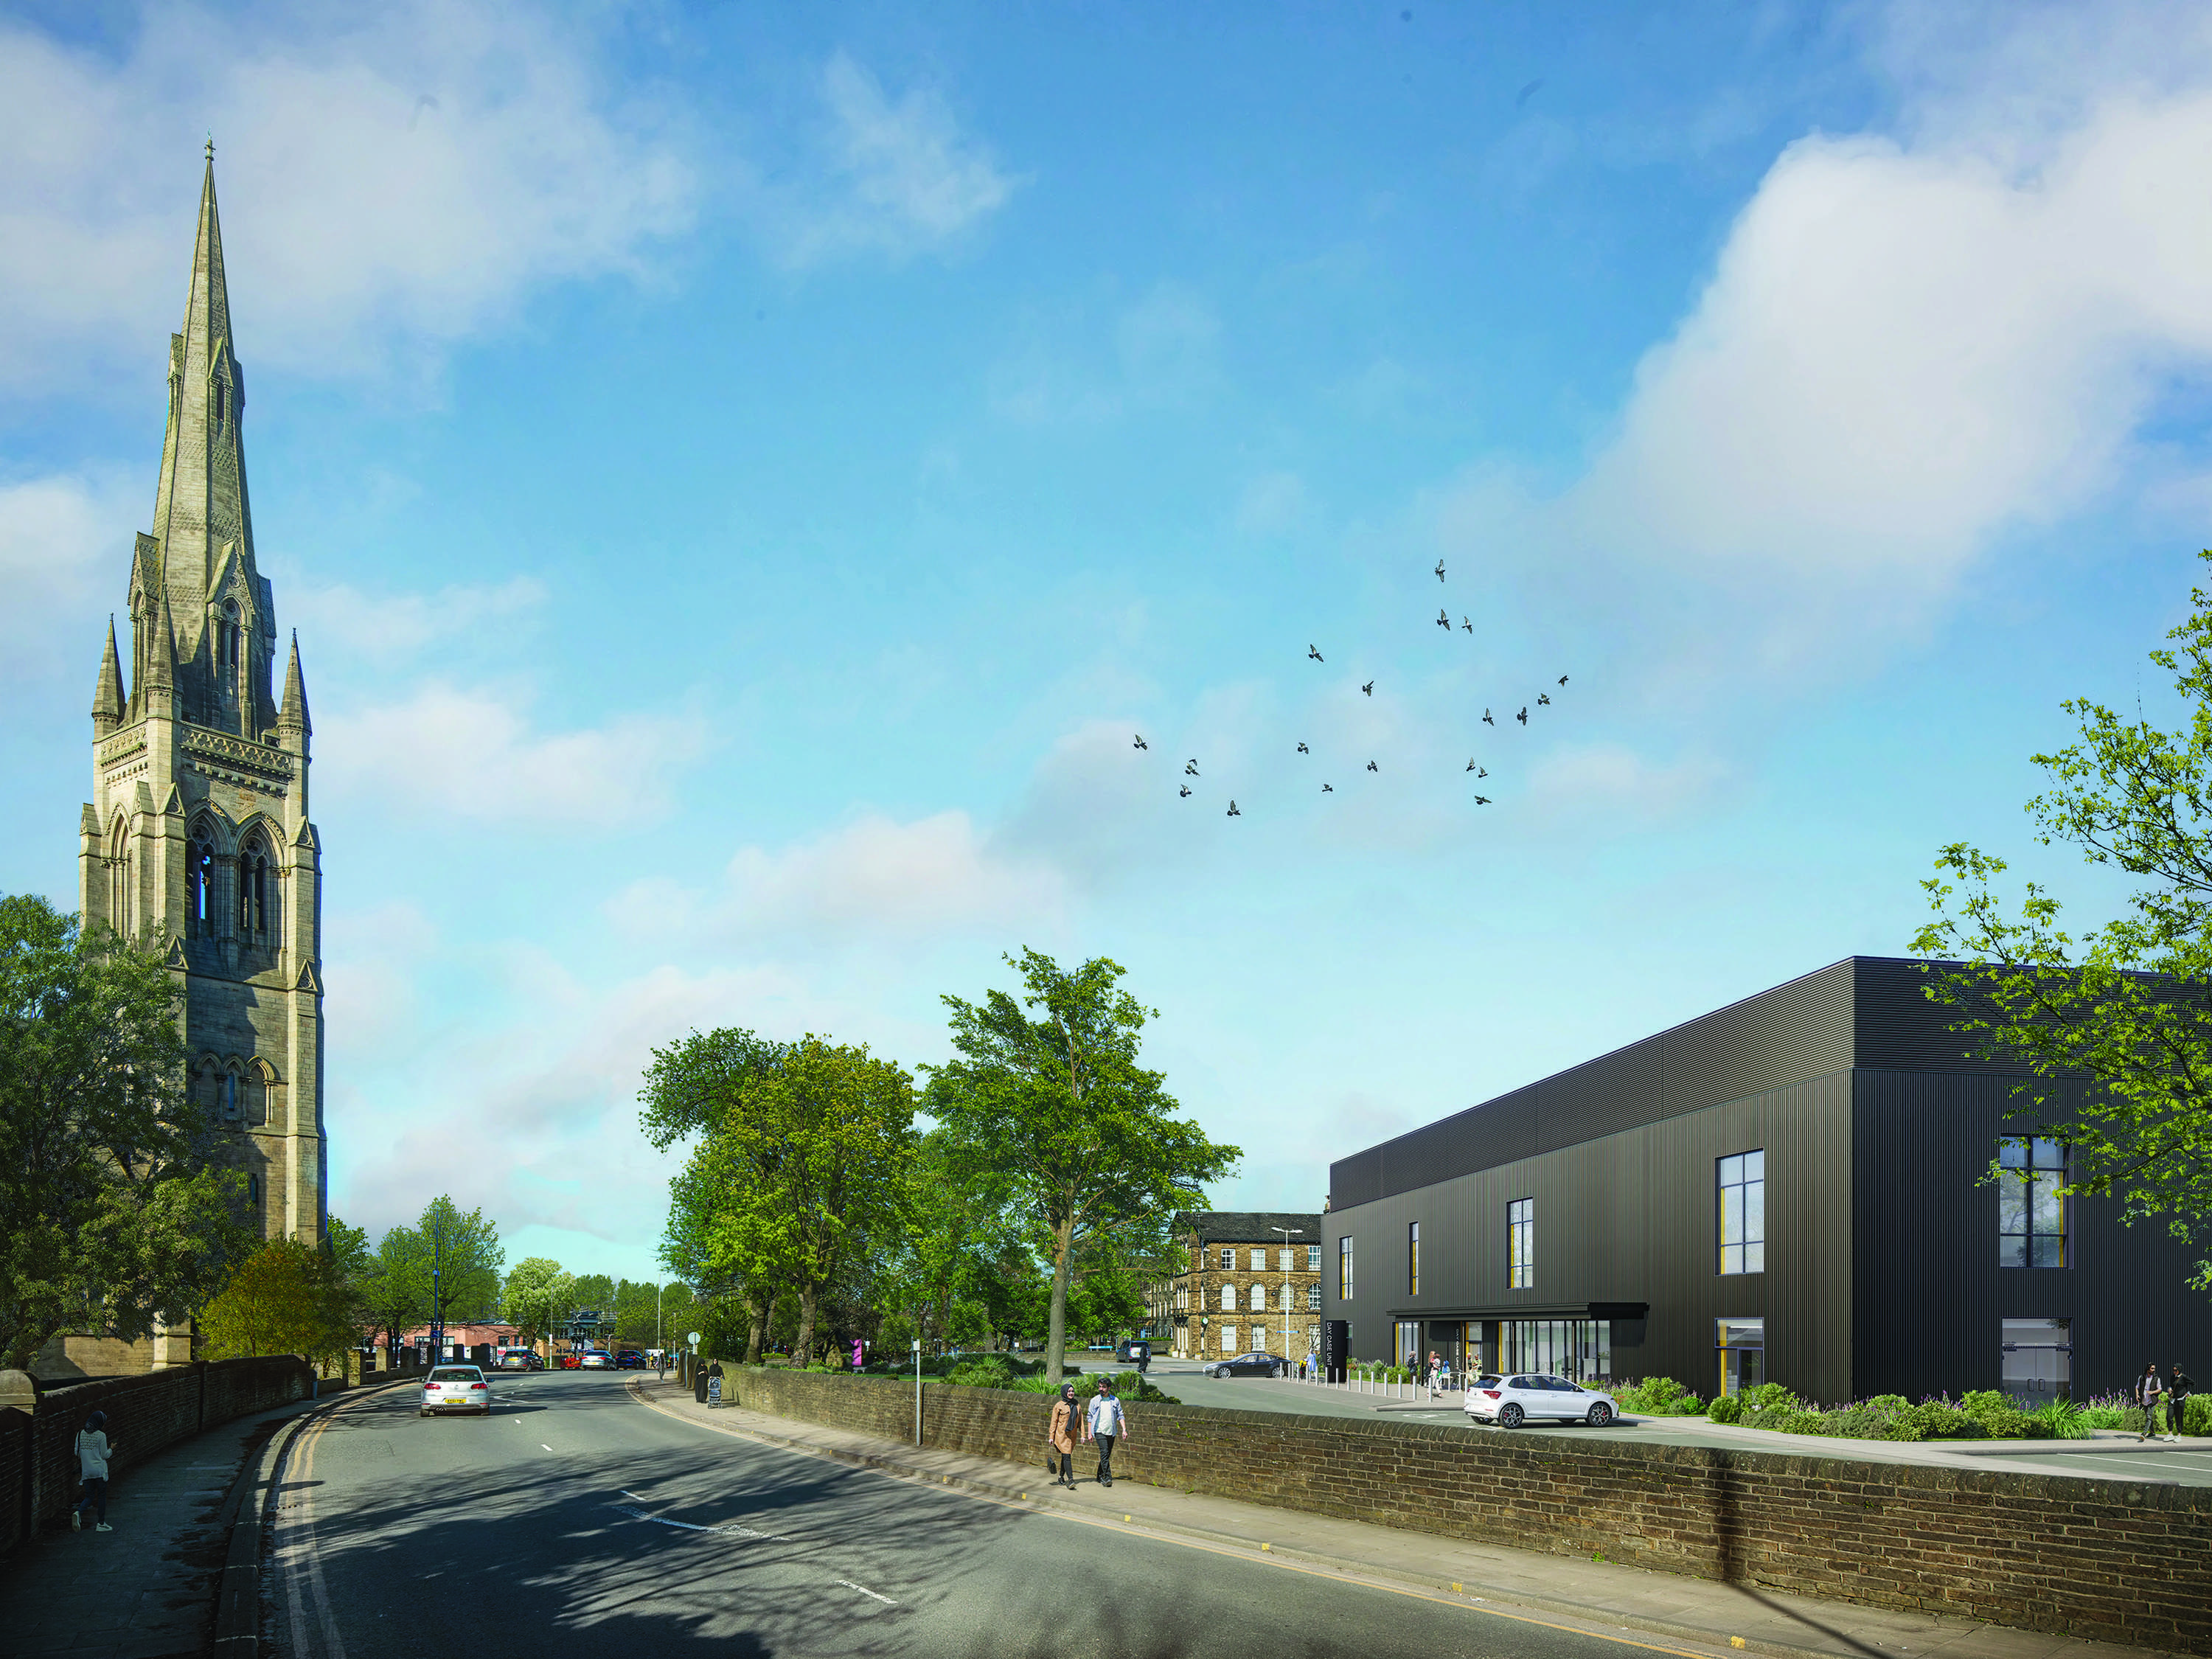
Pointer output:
1741, 1344
1580, 1350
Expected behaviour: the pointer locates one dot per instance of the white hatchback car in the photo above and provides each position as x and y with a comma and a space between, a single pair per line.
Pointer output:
455, 1388
1510, 1402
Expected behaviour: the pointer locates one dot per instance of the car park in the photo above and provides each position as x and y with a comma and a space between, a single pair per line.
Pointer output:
1510, 1401
455, 1388
1255, 1363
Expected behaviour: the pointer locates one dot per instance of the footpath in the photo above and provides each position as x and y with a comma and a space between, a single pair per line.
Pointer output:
147, 1589
1600, 1598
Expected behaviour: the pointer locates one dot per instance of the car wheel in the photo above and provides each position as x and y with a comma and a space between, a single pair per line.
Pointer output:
1510, 1416
1600, 1415
423, 1411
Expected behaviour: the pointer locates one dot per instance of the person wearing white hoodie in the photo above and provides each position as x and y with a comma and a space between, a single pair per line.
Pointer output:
93, 1452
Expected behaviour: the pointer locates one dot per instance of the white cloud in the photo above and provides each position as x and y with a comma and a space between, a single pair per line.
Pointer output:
401, 175
897, 175
387, 628
64, 539
1612, 785
1069, 364
474, 753
875, 879
1908, 347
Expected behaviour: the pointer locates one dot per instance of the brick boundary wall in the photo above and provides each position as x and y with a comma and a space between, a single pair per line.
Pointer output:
2112, 1560
37, 1462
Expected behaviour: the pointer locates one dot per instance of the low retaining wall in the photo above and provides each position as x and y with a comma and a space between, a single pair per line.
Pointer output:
2113, 1560
38, 1461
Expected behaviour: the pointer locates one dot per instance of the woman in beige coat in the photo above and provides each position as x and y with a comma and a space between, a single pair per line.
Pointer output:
1060, 1437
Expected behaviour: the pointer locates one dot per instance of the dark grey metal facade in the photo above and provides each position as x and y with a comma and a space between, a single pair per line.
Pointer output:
1881, 1271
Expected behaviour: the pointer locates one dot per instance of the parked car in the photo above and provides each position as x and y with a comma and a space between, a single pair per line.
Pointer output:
571, 1360
1247, 1364
1510, 1402
455, 1388
598, 1360
630, 1359
517, 1360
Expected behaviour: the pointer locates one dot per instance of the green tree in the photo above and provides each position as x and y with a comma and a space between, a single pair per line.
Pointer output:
2127, 1004
395, 1286
286, 1298
113, 1209
1057, 1106
465, 1260
537, 1297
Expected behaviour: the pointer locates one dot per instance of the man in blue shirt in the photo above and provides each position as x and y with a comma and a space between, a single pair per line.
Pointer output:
1106, 1423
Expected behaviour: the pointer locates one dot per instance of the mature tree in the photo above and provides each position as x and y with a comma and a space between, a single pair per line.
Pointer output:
113, 1211
949, 1250
1056, 1105
538, 1297
2127, 1004
465, 1260
798, 1169
395, 1286
286, 1298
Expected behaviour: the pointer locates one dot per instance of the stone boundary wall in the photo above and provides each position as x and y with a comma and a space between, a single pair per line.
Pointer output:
37, 1459
2112, 1560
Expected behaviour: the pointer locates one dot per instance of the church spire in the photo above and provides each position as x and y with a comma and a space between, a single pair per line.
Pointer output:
292, 714
108, 696
201, 510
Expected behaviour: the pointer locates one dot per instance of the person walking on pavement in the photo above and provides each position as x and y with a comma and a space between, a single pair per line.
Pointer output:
2178, 1388
1060, 1437
93, 1452
1106, 1424
1435, 1374
2148, 1393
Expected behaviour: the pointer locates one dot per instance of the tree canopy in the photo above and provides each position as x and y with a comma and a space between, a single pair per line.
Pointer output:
113, 1209
461, 1262
288, 1297
2126, 1005
1046, 1096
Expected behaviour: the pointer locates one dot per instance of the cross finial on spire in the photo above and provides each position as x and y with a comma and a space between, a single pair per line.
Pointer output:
211, 147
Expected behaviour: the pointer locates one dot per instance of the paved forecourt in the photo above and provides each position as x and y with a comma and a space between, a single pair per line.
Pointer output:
573, 1507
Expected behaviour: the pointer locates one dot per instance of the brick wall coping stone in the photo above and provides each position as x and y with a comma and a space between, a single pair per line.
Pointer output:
2127, 1561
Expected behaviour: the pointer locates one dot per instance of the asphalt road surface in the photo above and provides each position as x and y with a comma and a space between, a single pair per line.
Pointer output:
573, 1509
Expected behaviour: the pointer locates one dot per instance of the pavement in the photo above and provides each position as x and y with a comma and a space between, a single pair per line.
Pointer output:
1625, 1607
146, 1590
2109, 1455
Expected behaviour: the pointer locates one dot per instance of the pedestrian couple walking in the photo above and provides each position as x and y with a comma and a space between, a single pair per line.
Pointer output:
1105, 1424
2149, 1390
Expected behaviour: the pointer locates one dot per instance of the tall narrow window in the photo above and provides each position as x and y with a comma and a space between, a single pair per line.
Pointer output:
1229, 1298
1313, 1298
1344, 1268
253, 891
2031, 1203
1413, 1258
1743, 1213
221, 402
253, 1190
1521, 1244
1260, 1259
230, 1086
1313, 1258
199, 889
1228, 1261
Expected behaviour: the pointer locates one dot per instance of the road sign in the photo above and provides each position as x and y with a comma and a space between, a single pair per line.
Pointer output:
693, 1338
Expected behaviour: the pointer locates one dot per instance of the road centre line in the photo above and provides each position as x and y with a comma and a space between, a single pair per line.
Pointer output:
864, 1590
1252, 1556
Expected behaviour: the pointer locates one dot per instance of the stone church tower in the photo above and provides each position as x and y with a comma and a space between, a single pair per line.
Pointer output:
197, 838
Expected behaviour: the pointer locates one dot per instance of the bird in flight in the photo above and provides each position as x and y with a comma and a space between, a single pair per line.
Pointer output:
1467, 625
1544, 698
1482, 800
1369, 688
1471, 765
1329, 789
1372, 767
1523, 715
1486, 720
1186, 790
1482, 771
1141, 744
1444, 622
1314, 651
1302, 749
1563, 679
1440, 569
1190, 767
1233, 812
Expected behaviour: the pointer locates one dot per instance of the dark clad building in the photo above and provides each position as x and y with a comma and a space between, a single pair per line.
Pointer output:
1792, 1189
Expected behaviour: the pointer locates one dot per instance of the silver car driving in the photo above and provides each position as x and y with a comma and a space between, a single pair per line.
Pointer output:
455, 1388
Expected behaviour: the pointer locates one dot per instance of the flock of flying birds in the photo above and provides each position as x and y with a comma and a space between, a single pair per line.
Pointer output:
1313, 652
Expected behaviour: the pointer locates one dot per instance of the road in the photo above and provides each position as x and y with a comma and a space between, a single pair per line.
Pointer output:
574, 1508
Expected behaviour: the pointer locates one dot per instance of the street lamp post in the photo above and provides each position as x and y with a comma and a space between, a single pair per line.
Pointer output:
1287, 1233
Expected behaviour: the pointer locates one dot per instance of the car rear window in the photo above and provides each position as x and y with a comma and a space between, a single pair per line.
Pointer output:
457, 1374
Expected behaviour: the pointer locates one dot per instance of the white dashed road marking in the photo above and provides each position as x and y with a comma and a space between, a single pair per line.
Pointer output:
693, 1526
865, 1591
547, 1448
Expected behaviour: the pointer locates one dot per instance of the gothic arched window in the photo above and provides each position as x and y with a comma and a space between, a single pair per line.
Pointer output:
253, 1190
199, 888
254, 889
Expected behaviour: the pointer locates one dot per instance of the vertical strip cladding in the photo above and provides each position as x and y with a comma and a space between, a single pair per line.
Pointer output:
1937, 1540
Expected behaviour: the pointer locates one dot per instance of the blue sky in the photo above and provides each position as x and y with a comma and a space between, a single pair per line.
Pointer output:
741, 480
